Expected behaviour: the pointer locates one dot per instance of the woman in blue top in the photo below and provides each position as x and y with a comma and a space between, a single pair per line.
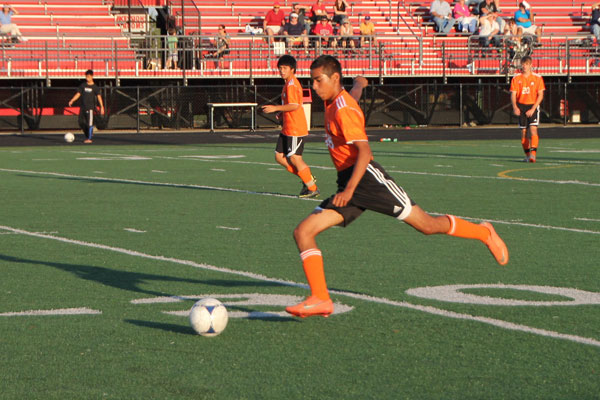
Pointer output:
6, 25
524, 22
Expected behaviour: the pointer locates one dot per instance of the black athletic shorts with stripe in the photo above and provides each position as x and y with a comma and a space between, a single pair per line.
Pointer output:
376, 191
524, 120
290, 145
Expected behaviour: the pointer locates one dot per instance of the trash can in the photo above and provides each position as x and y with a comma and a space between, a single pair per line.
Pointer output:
307, 105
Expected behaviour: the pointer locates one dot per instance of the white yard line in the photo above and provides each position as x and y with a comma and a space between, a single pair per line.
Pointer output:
223, 189
427, 309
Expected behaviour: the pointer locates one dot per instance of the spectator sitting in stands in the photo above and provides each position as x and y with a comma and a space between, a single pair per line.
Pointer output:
489, 29
340, 11
595, 21
222, 44
524, 21
367, 32
302, 16
346, 34
318, 10
324, 30
295, 32
273, 21
442, 16
6, 25
467, 22
491, 6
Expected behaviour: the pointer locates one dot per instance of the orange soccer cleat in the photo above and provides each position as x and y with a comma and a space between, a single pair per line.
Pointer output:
312, 306
496, 245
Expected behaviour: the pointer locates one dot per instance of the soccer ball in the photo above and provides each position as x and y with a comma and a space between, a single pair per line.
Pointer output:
208, 317
69, 137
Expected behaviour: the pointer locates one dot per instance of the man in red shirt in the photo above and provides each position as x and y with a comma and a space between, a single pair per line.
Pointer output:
274, 20
318, 10
363, 184
323, 29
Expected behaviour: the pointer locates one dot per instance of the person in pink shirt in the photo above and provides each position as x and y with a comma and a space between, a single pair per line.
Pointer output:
273, 21
318, 10
467, 22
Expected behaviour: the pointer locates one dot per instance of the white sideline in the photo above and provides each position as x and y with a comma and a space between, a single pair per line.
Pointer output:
428, 309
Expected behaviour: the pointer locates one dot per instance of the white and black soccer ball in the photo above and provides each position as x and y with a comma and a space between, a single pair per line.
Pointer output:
69, 137
208, 317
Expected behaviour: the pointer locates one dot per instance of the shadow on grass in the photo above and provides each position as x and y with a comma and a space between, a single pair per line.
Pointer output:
125, 280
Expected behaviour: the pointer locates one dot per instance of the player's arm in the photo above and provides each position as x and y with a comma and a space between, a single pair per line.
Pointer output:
538, 101
360, 82
513, 100
101, 104
281, 108
362, 161
74, 99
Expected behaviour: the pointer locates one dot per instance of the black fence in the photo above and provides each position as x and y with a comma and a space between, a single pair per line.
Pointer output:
185, 107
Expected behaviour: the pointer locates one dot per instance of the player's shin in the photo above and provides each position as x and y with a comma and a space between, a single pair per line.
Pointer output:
312, 262
468, 230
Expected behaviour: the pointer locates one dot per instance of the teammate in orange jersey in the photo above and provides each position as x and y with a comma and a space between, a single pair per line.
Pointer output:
526, 95
290, 144
362, 185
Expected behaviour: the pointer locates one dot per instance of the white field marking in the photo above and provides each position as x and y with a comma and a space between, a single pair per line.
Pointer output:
133, 230
216, 157
98, 172
45, 159
588, 219
123, 158
60, 311
157, 171
575, 151
496, 165
442, 166
427, 309
165, 184
453, 294
188, 186
229, 227
218, 170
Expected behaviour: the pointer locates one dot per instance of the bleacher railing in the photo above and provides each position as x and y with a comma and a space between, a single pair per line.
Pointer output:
256, 56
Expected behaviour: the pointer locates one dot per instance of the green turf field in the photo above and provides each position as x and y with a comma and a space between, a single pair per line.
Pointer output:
108, 247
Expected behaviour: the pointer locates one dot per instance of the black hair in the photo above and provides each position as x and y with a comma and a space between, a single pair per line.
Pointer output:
287, 60
526, 59
330, 65
89, 72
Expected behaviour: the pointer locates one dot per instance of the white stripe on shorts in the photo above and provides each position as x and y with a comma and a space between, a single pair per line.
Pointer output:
394, 189
296, 142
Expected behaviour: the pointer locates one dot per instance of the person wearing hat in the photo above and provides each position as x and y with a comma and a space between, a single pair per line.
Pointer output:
295, 32
274, 20
346, 34
324, 30
302, 16
367, 31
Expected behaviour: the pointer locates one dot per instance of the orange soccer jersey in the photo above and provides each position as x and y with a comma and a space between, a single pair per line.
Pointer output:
527, 87
294, 122
344, 124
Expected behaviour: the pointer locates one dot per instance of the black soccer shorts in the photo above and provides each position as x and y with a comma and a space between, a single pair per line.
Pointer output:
377, 191
524, 120
290, 145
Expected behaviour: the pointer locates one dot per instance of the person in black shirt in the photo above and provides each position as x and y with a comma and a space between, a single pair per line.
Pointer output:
295, 32
89, 93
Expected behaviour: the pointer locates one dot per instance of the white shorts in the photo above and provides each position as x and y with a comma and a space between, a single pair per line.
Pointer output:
275, 28
531, 30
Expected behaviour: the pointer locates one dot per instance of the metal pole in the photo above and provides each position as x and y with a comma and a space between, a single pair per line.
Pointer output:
137, 100
22, 113
460, 104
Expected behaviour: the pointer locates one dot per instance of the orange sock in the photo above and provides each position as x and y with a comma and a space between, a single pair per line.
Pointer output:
312, 262
468, 230
525, 143
307, 178
535, 140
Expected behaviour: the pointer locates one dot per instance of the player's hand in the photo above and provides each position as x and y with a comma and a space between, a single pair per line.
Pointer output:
530, 112
102, 110
342, 198
517, 111
269, 109
361, 81
70, 103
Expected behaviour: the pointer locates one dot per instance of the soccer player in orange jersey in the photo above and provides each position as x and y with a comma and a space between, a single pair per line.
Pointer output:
363, 184
526, 95
290, 144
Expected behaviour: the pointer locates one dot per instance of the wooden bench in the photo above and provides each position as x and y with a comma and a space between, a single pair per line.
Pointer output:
211, 112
